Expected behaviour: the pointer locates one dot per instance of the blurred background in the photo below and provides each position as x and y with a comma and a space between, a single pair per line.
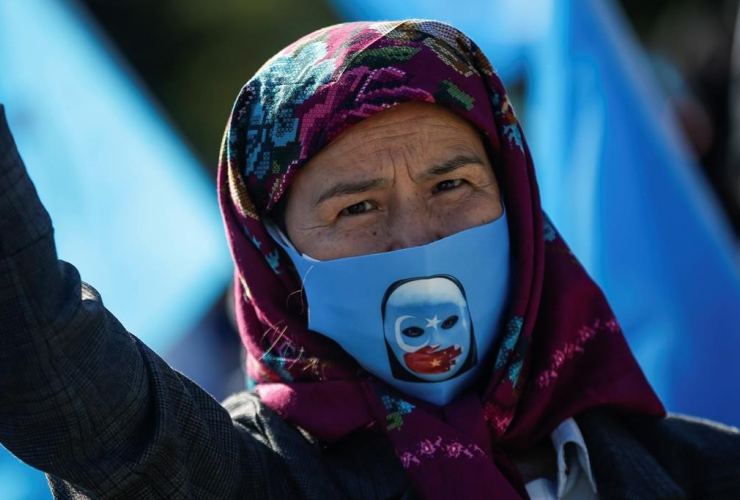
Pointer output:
630, 108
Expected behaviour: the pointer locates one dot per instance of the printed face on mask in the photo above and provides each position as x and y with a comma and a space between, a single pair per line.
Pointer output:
405, 177
428, 329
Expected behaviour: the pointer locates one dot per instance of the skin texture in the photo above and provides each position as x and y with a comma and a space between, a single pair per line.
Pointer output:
405, 177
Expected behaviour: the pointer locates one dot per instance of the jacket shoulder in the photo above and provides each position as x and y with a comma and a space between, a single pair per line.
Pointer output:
691, 436
701, 455
676, 457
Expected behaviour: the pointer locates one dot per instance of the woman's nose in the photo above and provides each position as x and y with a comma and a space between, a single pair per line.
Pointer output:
413, 226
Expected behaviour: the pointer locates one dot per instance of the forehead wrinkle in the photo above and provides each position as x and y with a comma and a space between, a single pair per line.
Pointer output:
372, 150
426, 122
362, 145
373, 156
381, 142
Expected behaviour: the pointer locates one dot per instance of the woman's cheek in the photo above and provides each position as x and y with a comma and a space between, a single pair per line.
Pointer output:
352, 240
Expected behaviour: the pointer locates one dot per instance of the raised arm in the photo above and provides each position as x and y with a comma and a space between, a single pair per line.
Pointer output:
81, 398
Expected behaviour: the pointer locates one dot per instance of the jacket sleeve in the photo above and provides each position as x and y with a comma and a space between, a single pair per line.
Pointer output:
84, 400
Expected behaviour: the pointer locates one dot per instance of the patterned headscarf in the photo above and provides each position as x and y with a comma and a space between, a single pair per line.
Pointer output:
562, 350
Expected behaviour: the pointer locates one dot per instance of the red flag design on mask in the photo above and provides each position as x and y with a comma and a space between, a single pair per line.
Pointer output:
429, 361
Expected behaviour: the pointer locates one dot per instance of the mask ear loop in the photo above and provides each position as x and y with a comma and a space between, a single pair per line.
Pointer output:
277, 234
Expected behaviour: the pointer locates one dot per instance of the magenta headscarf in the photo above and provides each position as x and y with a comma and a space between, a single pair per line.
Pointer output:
562, 351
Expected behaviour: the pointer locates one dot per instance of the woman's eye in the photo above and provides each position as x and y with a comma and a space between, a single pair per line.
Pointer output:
448, 185
358, 208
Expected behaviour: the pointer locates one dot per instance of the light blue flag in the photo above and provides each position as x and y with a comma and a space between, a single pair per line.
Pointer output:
619, 183
131, 206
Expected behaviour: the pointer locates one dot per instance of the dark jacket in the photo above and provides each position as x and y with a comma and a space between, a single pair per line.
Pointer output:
105, 417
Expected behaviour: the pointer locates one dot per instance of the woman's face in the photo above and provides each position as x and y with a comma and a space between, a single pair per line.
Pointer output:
404, 177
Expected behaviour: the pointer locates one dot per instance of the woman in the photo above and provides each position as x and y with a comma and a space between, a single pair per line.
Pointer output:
414, 325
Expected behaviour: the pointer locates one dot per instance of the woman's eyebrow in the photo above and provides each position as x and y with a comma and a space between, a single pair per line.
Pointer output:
354, 187
450, 166
351, 187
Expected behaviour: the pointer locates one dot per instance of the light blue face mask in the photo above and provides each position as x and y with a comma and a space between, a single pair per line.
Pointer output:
423, 319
